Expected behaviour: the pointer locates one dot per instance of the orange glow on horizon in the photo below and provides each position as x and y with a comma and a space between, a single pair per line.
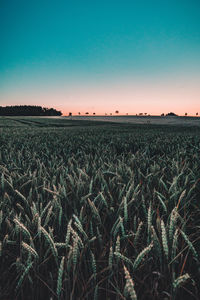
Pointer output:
153, 96
66, 114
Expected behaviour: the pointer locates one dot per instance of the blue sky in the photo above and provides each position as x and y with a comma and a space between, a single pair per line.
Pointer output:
58, 47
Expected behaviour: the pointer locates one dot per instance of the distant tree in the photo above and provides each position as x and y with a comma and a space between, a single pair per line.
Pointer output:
94, 113
145, 114
116, 111
140, 114
162, 115
185, 114
70, 114
87, 113
110, 114
171, 114
28, 110
79, 113
197, 114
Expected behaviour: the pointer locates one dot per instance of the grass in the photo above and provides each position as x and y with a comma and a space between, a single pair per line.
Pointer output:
96, 211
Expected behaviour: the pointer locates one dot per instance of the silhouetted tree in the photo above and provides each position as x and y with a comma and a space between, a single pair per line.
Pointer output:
87, 113
171, 114
28, 110
70, 114
94, 113
116, 111
197, 114
185, 114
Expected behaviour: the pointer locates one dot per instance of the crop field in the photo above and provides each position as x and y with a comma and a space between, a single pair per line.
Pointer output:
91, 210
152, 120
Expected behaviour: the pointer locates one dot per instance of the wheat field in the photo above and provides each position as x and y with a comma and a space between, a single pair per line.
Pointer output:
98, 211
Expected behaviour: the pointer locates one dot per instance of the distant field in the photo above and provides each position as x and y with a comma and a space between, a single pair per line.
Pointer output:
45, 122
97, 120
98, 210
154, 120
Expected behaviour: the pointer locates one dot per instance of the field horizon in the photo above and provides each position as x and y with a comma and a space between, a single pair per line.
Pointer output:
182, 121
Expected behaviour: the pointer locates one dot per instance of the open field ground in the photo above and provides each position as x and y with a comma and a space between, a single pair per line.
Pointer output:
66, 121
97, 210
154, 120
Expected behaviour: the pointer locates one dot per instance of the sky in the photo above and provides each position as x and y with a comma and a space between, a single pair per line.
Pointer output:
101, 56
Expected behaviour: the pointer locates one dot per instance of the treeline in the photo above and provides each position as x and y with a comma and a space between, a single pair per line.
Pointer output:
28, 110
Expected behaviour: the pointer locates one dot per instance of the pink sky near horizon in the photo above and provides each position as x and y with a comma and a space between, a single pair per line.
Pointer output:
152, 96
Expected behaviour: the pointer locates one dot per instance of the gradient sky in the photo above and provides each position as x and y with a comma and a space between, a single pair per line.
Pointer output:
101, 56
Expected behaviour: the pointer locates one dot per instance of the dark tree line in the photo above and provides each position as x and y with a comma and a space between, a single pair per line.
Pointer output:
28, 110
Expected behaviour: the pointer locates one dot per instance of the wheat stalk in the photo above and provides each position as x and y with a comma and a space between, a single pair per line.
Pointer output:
23, 228
50, 241
191, 247
23, 275
137, 234
130, 285
124, 258
141, 255
30, 249
164, 239
180, 281
60, 275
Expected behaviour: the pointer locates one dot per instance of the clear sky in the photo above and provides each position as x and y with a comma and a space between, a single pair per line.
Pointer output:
101, 56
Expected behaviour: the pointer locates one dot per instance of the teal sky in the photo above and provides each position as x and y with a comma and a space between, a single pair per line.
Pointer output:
75, 54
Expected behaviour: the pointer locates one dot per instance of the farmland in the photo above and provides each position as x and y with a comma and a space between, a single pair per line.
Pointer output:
91, 210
